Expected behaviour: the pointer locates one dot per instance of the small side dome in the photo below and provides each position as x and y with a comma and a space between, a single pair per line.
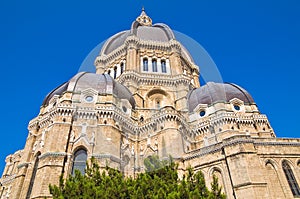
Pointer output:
217, 92
103, 83
57, 91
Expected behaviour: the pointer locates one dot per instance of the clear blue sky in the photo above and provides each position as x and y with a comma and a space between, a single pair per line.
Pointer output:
255, 44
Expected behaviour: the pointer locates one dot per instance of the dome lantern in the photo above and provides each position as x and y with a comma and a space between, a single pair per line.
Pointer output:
144, 19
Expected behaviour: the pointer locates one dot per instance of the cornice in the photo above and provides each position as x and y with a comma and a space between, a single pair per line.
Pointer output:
154, 79
7, 179
107, 156
25, 164
276, 143
52, 154
218, 147
134, 42
203, 125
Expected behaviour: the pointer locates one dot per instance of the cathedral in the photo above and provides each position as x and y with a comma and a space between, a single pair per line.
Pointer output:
145, 99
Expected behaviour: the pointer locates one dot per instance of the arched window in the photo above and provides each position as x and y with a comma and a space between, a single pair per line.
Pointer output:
79, 162
217, 173
163, 66
122, 67
115, 72
291, 178
154, 65
31, 183
158, 104
145, 64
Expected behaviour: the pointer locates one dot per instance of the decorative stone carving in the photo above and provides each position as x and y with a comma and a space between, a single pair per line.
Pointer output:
118, 122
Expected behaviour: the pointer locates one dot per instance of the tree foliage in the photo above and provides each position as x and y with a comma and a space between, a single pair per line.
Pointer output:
160, 181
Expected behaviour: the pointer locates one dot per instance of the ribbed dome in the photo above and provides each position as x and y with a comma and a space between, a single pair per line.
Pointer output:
215, 92
114, 42
143, 29
103, 83
157, 32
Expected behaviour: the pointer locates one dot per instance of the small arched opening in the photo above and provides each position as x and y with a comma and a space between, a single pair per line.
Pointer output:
79, 161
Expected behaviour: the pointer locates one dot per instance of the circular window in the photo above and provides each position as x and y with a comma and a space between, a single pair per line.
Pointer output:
237, 107
89, 98
202, 113
124, 109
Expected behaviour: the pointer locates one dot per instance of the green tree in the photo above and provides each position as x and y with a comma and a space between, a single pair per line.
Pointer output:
216, 189
159, 181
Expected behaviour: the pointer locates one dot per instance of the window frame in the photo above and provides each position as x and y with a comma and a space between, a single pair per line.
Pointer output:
79, 164
290, 177
154, 65
163, 64
122, 68
145, 64
115, 72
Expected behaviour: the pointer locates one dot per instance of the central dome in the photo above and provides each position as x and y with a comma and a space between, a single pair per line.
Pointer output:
158, 32
143, 29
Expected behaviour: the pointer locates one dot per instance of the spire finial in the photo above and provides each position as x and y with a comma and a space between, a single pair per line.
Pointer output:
144, 19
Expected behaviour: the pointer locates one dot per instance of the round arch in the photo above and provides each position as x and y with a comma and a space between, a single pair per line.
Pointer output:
273, 163
158, 98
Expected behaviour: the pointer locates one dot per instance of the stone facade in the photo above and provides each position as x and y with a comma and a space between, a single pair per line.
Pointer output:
145, 99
